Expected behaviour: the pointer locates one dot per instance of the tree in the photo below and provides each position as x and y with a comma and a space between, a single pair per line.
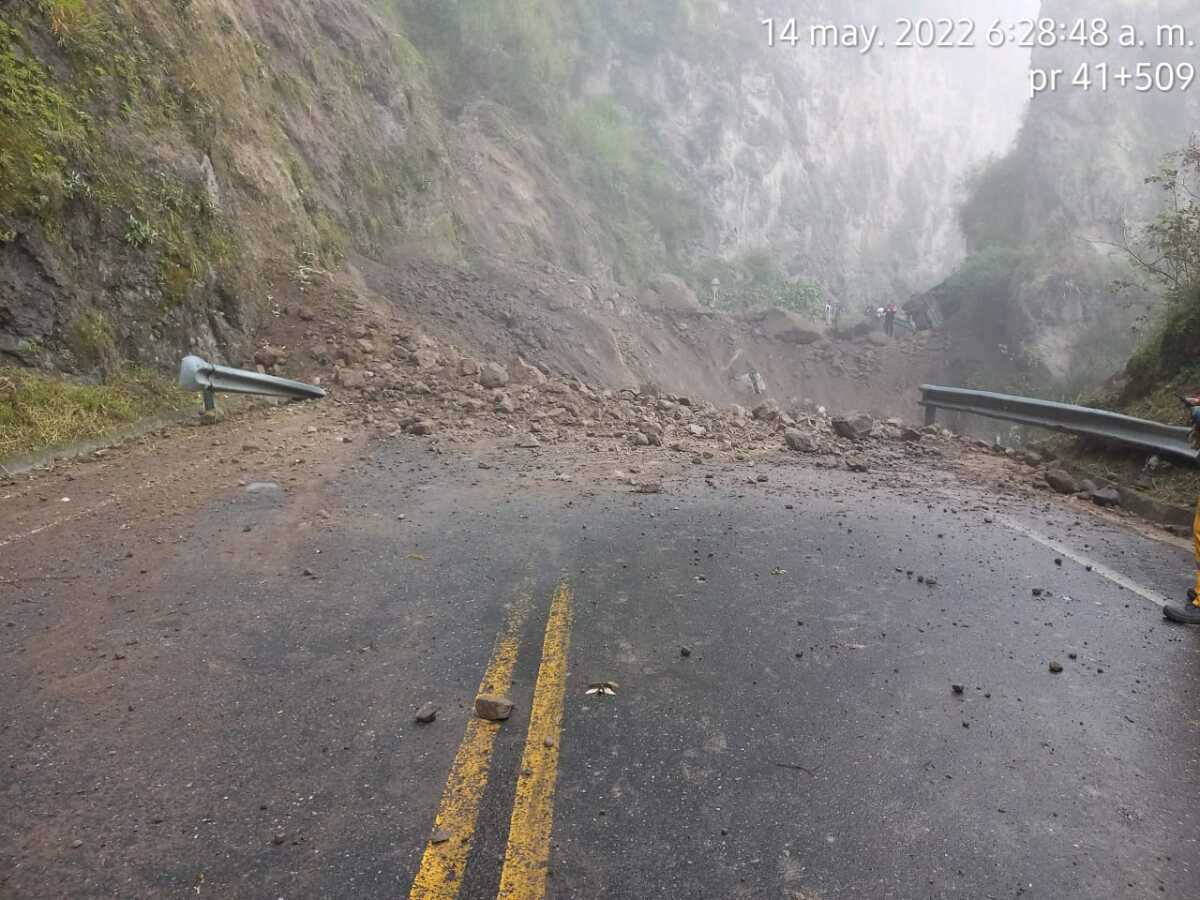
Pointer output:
1168, 249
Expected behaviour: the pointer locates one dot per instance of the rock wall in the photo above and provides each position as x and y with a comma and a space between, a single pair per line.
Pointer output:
1073, 186
849, 165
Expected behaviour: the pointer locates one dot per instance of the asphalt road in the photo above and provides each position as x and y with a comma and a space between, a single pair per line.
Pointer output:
228, 712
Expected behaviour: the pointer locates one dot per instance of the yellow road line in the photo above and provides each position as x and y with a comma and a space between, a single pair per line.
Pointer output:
527, 857
440, 875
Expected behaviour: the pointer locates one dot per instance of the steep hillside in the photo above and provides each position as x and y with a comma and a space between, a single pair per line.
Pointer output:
170, 165
1036, 306
161, 157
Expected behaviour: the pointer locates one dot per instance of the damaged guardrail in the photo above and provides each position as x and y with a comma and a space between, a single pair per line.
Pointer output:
195, 374
1098, 423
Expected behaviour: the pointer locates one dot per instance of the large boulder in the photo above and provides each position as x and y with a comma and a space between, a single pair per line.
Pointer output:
800, 441
670, 292
493, 375
789, 327
522, 372
856, 426
1062, 481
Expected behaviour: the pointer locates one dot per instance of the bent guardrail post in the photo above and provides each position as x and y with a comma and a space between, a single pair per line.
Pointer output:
197, 375
1165, 439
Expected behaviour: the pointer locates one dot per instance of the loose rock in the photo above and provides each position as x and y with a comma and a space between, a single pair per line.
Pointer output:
492, 375
1062, 481
493, 707
799, 441
856, 426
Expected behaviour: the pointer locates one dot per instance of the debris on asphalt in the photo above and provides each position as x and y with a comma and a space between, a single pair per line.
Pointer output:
856, 464
957, 688
648, 487
493, 707
855, 426
440, 836
602, 689
1056, 666
799, 441
685, 652
427, 713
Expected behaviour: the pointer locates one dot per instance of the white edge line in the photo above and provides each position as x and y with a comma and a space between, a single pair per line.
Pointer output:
1099, 568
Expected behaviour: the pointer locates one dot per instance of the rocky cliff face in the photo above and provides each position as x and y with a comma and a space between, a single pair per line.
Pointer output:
848, 165
169, 160
1073, 186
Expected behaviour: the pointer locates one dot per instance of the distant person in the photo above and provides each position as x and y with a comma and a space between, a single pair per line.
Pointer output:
1189, 613
889, 319
828, 314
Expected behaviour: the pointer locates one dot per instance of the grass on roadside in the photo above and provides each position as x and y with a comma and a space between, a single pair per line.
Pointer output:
39, 412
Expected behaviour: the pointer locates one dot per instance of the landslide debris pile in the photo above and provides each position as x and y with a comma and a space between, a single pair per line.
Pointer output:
404, 382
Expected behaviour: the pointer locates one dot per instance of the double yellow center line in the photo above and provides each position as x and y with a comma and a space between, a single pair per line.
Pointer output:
527, 856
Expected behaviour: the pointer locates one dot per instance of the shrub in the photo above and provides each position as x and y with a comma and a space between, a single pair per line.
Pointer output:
139, 233
755, 279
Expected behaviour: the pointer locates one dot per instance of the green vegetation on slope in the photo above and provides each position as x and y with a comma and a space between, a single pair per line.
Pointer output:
1168, 250
156, 153
529, 55
647, 207
40, 129
1167, 364
754, 280
39, 411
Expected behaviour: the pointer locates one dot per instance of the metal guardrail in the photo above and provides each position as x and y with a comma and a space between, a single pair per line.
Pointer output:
197, 375
1098, 423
